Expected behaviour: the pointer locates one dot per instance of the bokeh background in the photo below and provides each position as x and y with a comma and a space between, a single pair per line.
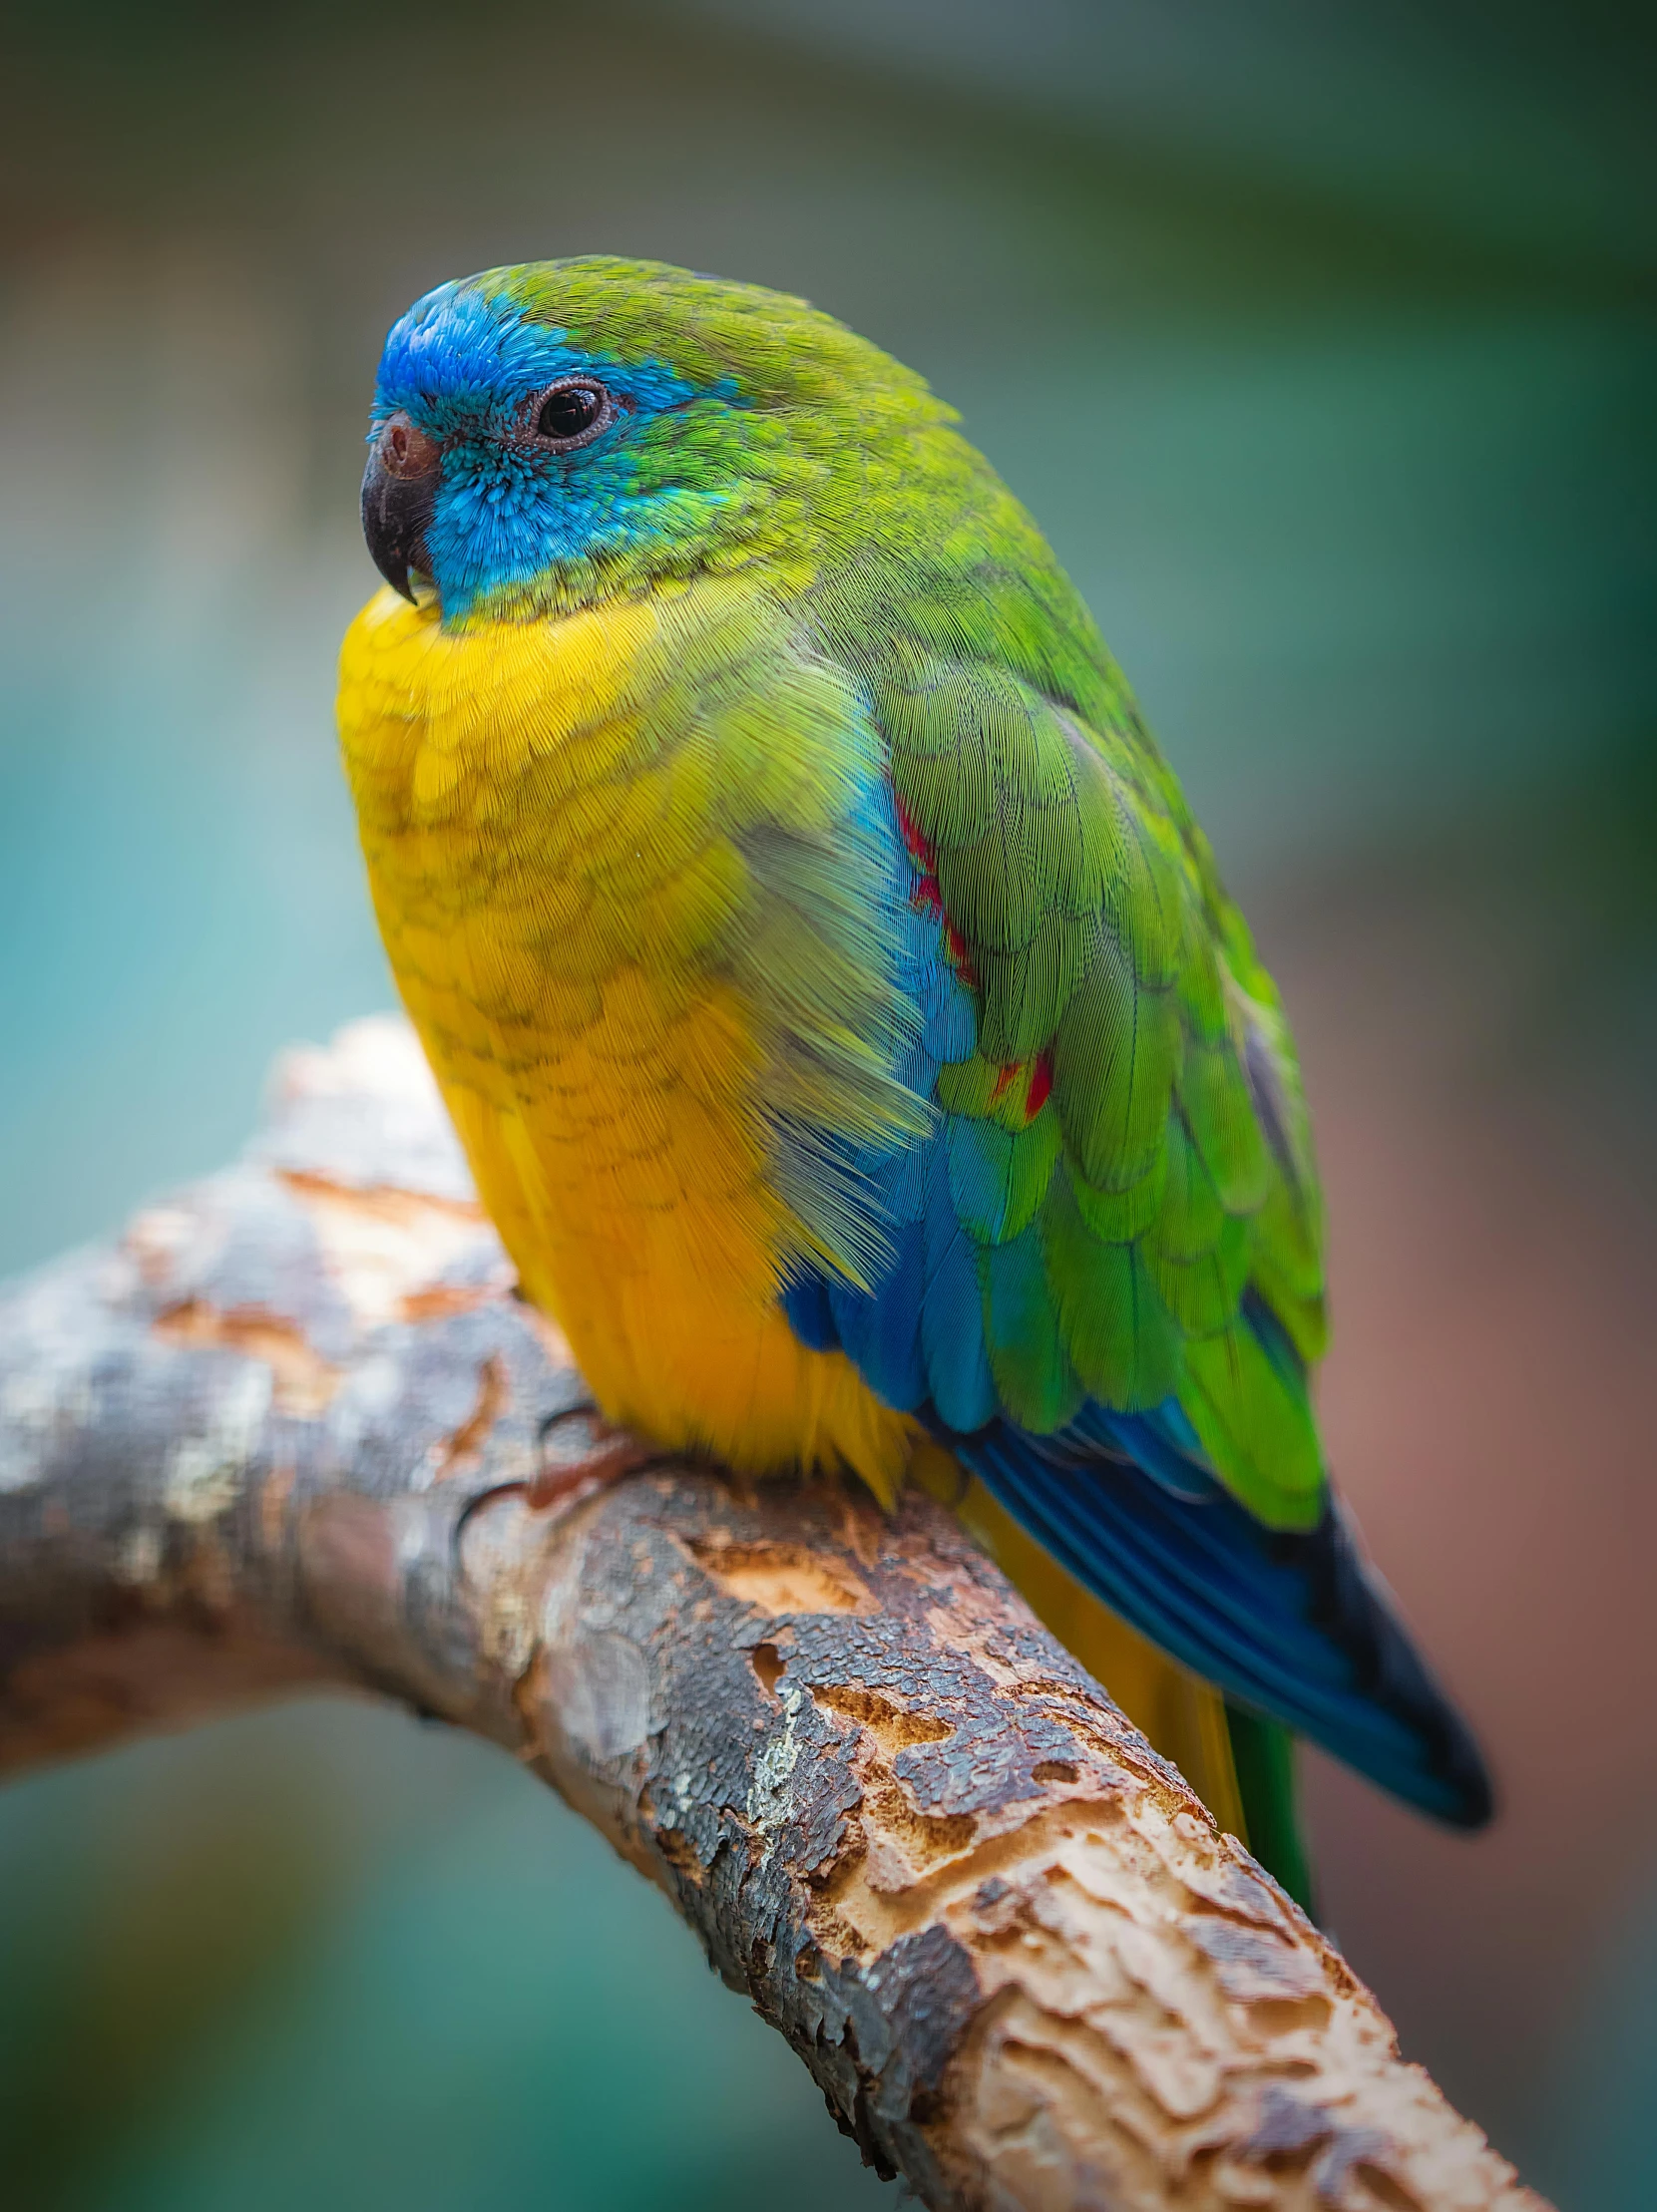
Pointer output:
1320, 341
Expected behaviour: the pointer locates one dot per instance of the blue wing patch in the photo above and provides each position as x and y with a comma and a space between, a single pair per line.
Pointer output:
918, 1338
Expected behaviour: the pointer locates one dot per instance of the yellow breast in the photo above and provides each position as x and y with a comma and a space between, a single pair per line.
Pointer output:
551, 868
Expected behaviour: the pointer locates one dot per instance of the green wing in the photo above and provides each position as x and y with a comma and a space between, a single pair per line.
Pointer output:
1128, 1145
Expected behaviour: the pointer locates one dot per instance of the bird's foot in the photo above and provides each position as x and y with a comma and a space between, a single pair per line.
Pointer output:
579, 1454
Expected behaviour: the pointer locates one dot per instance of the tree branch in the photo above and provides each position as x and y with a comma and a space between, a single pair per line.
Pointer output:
286, 1434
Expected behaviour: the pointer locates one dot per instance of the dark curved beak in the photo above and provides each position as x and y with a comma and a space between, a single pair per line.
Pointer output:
399, 497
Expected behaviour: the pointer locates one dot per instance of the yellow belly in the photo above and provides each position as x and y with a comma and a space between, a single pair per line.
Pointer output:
546, 877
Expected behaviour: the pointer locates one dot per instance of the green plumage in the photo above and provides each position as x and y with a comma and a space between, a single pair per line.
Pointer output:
1120, 1229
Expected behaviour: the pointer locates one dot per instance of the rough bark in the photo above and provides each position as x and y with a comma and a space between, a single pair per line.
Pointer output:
288, 1432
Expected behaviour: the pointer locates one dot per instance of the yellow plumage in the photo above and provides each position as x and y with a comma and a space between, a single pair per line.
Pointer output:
602, 1083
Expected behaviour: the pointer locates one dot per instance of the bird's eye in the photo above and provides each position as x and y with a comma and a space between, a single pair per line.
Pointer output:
572, 411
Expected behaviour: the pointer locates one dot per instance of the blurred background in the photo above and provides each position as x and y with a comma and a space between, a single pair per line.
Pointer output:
1320, 341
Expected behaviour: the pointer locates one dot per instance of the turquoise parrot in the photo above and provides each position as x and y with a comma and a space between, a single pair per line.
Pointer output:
838, 1005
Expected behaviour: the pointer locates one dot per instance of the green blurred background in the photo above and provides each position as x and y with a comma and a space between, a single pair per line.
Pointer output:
1320, 341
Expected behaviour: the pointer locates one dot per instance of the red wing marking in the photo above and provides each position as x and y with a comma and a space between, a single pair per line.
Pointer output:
1040, 1085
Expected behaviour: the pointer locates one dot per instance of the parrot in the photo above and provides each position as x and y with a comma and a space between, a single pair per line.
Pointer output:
838, 1005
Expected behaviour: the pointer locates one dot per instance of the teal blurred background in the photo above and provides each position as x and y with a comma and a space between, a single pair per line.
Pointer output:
1320, 341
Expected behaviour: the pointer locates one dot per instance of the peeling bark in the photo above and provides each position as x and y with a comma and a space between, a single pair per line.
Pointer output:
290, 1431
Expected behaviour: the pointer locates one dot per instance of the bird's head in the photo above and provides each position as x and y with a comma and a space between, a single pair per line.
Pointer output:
545, 435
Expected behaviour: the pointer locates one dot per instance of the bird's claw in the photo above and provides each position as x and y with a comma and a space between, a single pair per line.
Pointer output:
580, 1453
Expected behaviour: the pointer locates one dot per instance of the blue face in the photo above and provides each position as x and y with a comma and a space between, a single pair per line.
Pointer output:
500, 452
